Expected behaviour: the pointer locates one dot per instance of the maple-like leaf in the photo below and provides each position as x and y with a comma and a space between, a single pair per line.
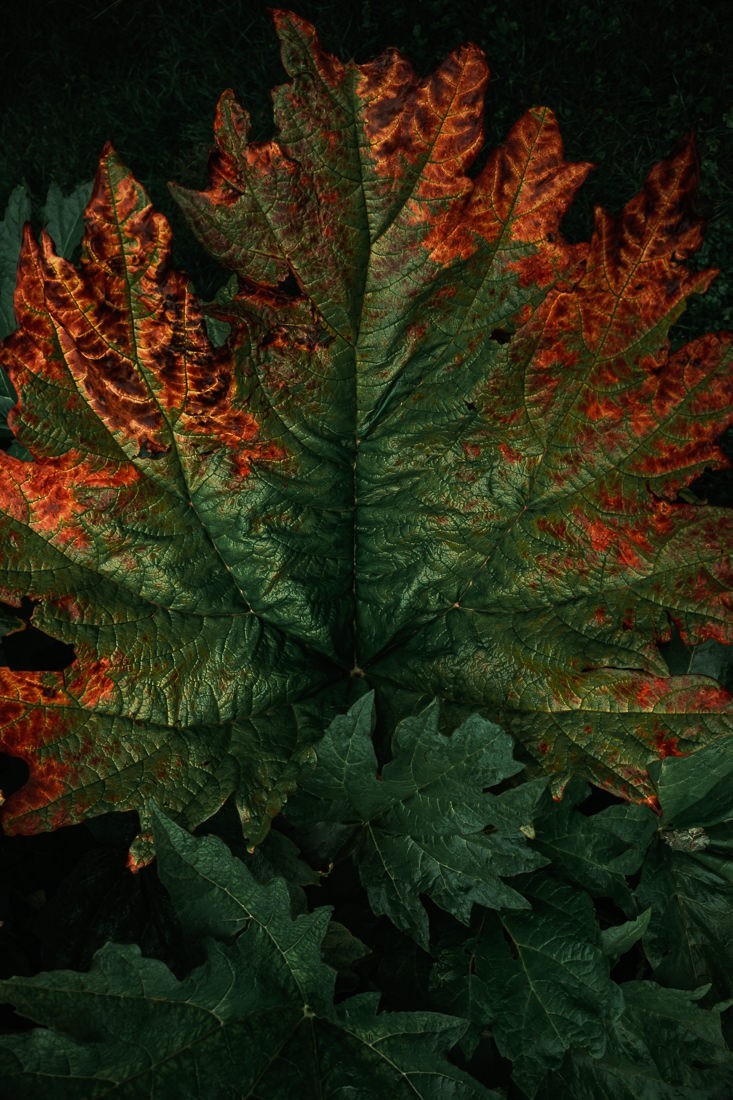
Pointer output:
441, 451
425, 823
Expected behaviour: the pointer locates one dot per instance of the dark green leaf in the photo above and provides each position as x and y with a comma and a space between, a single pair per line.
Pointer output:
62, 216
620, 938
687, 877
596, 852
664, 1047
17, 213
426, 824
697, 790
540, 980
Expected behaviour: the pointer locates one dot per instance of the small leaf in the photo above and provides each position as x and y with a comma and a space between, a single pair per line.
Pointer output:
63, 217
17, 213
619, 939
426, 824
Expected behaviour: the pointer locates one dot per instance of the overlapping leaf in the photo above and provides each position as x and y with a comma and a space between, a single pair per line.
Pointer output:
424, 824
597, 852
540, 979
687, 878
664, 1047
256, 1019
441, 450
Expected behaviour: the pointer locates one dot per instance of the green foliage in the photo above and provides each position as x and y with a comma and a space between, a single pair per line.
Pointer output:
256, 1018
664, 1047
425, 824
271, 992
688, 874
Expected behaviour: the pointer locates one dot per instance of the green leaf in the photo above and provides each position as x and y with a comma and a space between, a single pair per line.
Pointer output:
63, 217
596, 852
256, 1019
690, 936
540, 980
619, 939
426, 823
664, 1047
696, 790
688, 874
17, 212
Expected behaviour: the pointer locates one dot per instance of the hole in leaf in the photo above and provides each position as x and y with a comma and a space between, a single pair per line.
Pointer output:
598, 800
501, 336
716, 486
288, 287
675, 653
709, 658
14, 774
30, 650
149, 450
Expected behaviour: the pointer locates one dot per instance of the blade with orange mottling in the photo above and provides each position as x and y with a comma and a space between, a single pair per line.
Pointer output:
439, 455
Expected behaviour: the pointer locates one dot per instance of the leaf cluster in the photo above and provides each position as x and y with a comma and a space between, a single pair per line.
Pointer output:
551, 948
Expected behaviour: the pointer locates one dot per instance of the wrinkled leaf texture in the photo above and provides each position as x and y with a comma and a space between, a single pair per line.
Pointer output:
439, 455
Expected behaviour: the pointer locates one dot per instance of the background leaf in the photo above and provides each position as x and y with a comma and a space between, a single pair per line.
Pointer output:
63, 217
664, 1047
539, 980
687, 876
425, 823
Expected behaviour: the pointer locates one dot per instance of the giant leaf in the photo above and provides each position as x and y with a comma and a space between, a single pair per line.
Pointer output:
441, 451
255, 1019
